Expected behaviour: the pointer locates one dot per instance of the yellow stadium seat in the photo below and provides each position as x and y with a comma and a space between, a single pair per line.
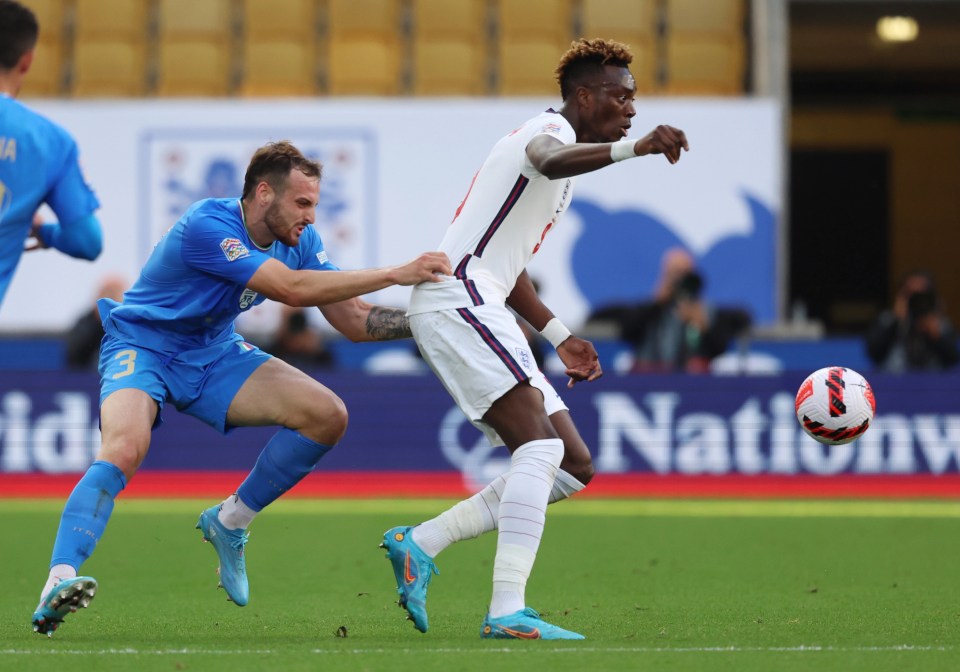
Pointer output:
111, 19
51, 15
364, 66
449, 67
526, 68
363, 17
278, 68
193, 68
190, 19
632, 22
448, 19
109, 68
705, 65
45, 78
535, 19
46, 72
272, 19
705, 16
627, 21
645, 66
450, 53
194, 47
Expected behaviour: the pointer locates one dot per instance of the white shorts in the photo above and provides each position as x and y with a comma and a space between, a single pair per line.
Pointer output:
480, 354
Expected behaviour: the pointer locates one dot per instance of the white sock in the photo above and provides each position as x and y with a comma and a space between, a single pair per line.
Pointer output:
234, 514
522, 513
565, 486
465, 520
510, 572
57, 574
478, 514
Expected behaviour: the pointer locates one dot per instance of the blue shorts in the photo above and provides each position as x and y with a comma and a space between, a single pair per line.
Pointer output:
201, 382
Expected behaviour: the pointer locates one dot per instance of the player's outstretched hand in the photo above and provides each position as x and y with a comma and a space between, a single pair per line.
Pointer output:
33, 241
581, 360
665, 140
428, 267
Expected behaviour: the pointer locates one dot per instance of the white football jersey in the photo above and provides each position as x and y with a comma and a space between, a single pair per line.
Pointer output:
501, 223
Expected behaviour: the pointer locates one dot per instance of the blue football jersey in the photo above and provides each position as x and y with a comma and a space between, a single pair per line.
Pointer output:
38, 164
193, 286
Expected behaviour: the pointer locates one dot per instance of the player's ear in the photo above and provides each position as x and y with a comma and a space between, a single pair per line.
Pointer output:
584, 95
265, 193
23, 65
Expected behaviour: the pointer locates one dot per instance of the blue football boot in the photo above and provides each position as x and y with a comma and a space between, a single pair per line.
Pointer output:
64, 598
413, 569
523, 624
229, 545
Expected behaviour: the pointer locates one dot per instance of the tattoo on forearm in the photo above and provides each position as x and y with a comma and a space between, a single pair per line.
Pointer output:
387, 324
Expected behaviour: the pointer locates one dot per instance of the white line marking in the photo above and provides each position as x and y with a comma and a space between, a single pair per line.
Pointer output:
803, 648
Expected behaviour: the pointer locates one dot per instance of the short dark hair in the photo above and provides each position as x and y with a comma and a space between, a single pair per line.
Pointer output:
272, 164
586, 58
18, 32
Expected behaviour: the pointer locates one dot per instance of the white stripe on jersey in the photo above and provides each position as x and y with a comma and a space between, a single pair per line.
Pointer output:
501, 223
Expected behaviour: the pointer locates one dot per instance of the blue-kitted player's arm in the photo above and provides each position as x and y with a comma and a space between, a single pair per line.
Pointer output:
361, 321
81, 238
78, 232
354, 318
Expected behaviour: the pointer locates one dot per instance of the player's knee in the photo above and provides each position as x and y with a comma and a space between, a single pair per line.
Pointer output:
128, 467
330, 421
583, 472
579, 466
125, 455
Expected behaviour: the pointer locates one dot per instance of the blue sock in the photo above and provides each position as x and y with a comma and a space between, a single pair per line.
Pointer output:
283, 463
86, 514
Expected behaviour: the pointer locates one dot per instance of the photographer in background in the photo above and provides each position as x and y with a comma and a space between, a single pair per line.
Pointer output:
299, 343
82, 339
677, 330
915, 335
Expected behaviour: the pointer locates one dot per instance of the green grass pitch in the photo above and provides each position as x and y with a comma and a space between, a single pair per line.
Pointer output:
654, 585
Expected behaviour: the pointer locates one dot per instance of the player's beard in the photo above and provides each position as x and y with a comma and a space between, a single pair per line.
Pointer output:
276, 225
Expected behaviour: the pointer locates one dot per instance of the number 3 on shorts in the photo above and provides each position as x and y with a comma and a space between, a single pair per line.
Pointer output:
128, 358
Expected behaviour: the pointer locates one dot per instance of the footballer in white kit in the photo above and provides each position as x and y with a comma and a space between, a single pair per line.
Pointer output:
472, 341
463, 323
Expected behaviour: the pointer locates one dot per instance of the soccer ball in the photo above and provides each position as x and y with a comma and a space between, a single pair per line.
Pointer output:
835, 405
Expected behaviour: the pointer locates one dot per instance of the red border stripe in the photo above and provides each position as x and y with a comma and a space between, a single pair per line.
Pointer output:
452, 484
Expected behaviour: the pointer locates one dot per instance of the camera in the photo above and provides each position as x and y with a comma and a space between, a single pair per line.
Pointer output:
688, 286
922, 303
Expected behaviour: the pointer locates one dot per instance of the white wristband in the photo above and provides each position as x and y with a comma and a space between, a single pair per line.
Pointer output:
555, 332
622, 149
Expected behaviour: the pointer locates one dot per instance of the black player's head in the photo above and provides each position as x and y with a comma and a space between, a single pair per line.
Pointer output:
18, 33
273, 163
585, 63
595, 76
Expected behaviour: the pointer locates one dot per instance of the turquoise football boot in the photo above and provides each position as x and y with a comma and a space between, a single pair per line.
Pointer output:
64, 598
229, 545
413, 569
523, 624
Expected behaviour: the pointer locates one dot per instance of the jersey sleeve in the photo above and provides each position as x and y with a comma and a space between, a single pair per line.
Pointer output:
211, 246
69, 195
559, 129
313, 256
553, 125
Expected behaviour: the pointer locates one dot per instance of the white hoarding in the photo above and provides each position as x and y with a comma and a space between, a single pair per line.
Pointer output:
395, 171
